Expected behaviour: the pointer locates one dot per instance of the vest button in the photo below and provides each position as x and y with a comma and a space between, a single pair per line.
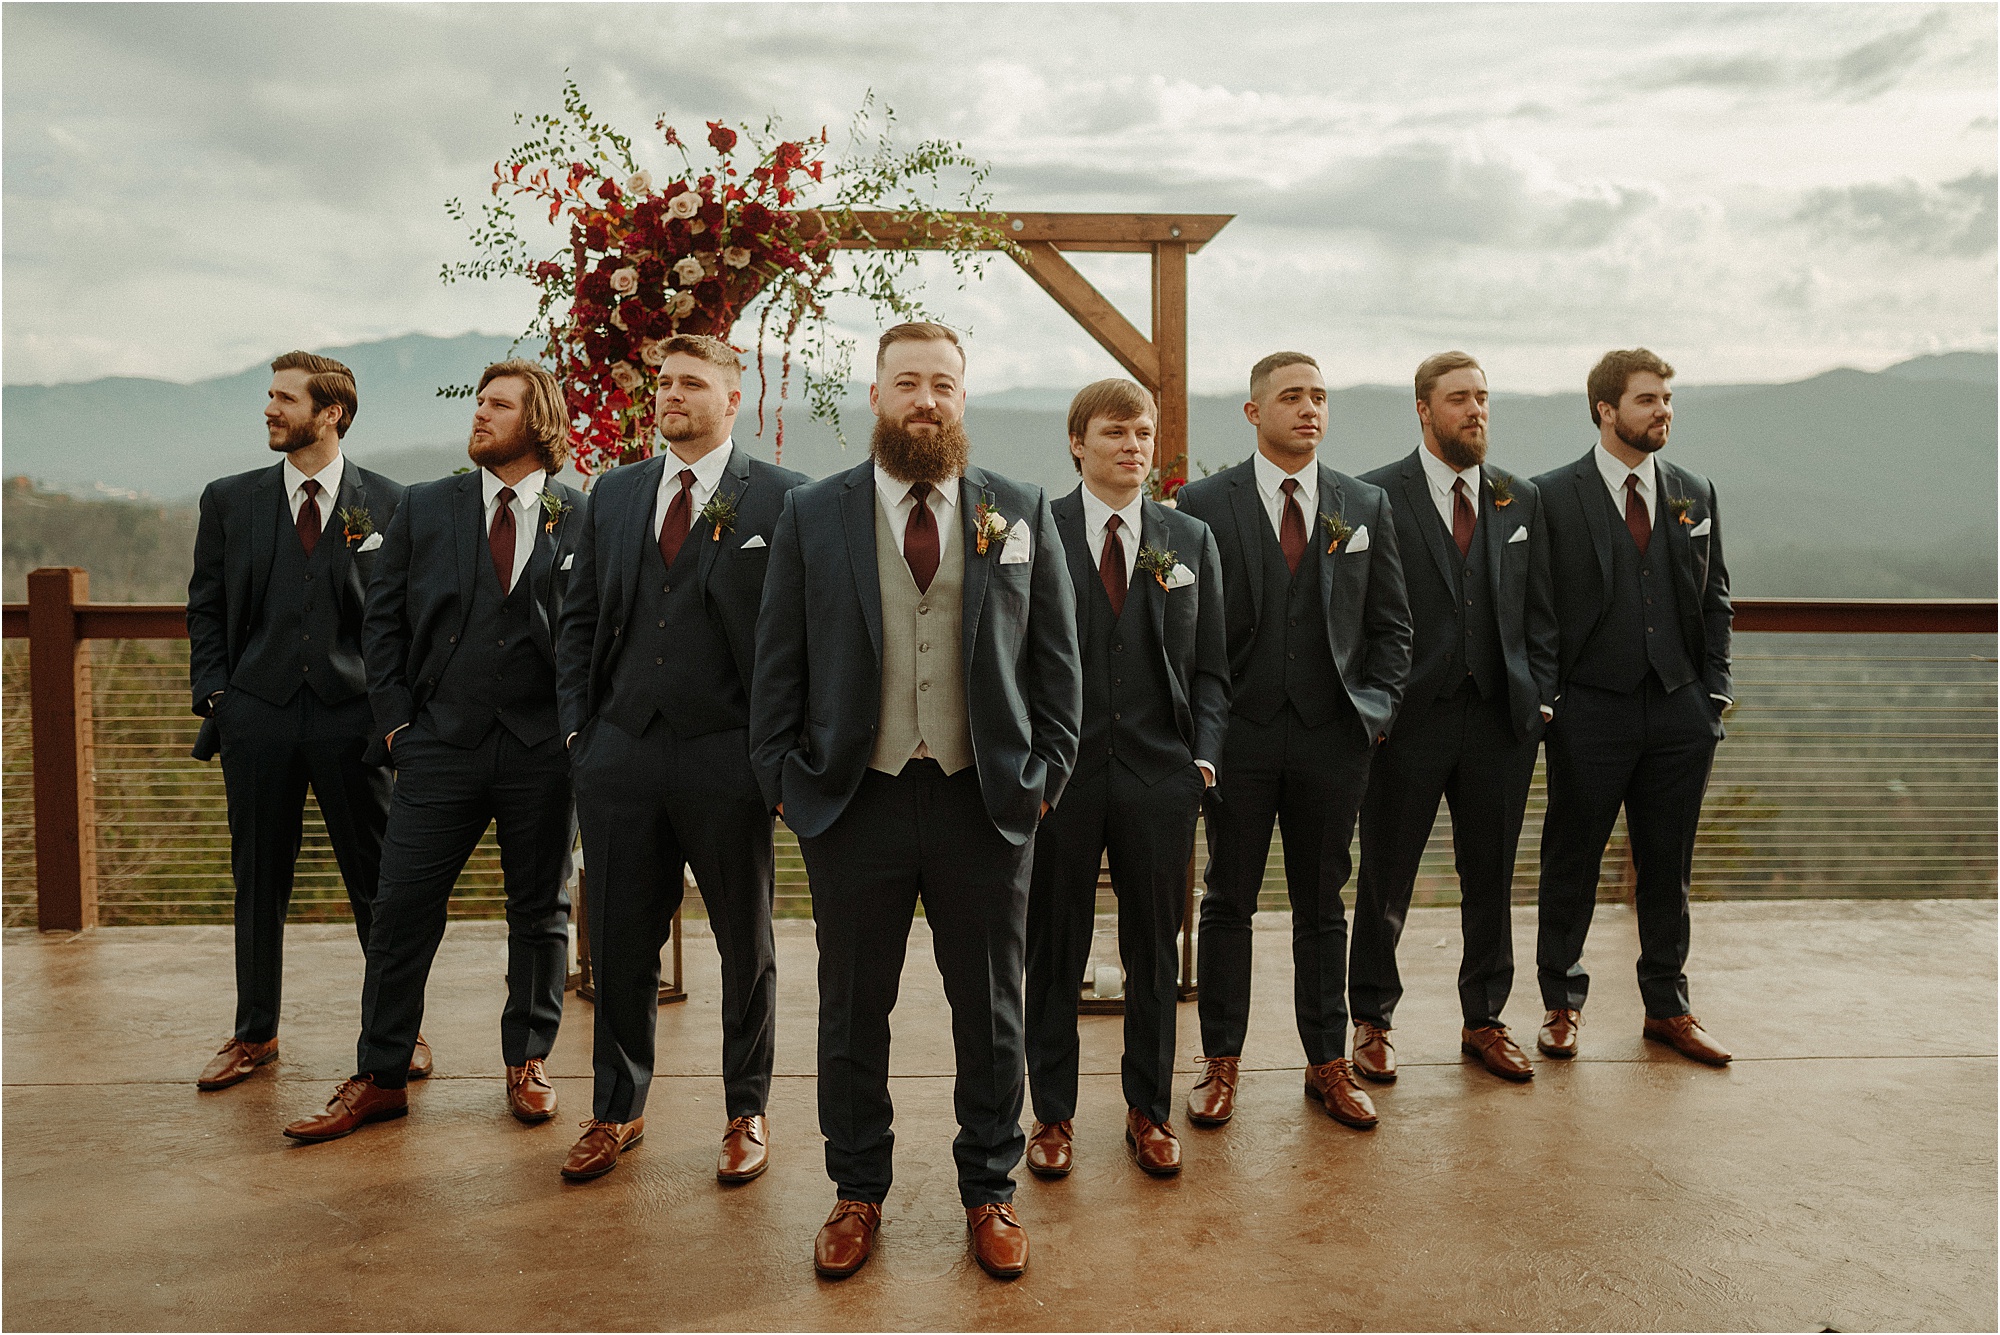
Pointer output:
306, 637
923, 686
1117, 681
923, 609
1645, 570
1468, 602
1291, 655
662, 625
502, 644
1116, 717
1118, 648
1649, 602
1649, 630
666, 588
924, 648
659, 662
309, 578
454, 639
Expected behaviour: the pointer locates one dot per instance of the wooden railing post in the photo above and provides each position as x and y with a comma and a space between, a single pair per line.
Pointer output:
1170, 329
65, 805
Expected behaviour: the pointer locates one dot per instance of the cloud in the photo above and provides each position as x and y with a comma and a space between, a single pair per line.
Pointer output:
1737, 73
1878, 64
1956, 217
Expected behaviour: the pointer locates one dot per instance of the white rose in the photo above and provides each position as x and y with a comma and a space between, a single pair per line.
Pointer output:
625, 281
639, 183
684, 205
623, 376
650, 352
683, 305
736, 257
688, 270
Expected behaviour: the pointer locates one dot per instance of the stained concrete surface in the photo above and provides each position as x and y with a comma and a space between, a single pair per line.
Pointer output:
1840, 1174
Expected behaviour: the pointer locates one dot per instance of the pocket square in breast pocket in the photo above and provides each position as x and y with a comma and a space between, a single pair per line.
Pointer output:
370, 543
1357, 541
1520, 534
1699, 530
1016, 552
753, 542
569, 561
1179, 577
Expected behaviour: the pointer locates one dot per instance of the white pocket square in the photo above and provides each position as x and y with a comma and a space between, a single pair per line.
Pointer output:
1016, 550
1520, 534
569, 561
1358, 540
1180, 576
370, 543
1699, 530
755, 540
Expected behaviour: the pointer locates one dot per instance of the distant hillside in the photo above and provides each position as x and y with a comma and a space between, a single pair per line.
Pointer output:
135, 551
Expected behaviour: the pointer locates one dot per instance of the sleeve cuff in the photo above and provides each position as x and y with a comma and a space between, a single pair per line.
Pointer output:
1207, 769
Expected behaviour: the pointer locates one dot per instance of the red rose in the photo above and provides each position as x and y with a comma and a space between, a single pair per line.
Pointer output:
721, 137
548, 271
789, 157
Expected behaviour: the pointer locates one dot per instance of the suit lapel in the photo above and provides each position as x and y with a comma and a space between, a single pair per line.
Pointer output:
1069, 527
1251, 524
268, 511
735, 480
857, 512
1153, 533
1332, 501
1590, 494
467, 510
1417, 495
638, 517
971, 489
1490, 524
351, 496
541, 557
1669, 484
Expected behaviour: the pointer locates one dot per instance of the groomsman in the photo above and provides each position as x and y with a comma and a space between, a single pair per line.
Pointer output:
1319, 643
653, 662
1148, 586
460, 643
1482, 686
915, 714
1642, 610
281, 566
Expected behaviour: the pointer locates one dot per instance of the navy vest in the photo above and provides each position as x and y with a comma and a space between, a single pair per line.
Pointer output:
1641, 628
1128, 703
676, 662
1478, 621
497, 672
298, 627
1291, 660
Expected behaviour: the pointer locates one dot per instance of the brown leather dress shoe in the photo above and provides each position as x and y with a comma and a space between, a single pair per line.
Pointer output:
1152, 1145
1332, 1085
1686, 1036
745, 1151
1212, 1101
1558, 1033
1497, 1052
420, 1060
846, 1238
530, 1096
356, 1103
1374, 1054
999, 1243
597, 1149
1049, 1152
234, 1061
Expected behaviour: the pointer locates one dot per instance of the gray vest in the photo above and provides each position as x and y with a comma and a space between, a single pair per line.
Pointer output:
923, 660
1641, 628
298, 628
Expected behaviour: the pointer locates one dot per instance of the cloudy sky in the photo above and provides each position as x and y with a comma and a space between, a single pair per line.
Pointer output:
1759, 192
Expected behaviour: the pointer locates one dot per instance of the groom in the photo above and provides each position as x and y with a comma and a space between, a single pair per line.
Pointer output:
915, 713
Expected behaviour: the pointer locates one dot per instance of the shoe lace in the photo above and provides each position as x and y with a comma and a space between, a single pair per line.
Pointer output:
746, 1124
1001, 1210
841, 1209
532, 1072
353, 1085
1218, 1068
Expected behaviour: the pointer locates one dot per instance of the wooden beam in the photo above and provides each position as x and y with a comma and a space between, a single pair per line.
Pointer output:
1091, 309
1867, 616
1171, 355
59, 705
1134, 232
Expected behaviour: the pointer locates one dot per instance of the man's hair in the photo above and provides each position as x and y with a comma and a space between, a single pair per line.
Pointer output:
1119, 399
917, 332
329, 383
1260, 374
1437, 367
542, 410
711, 350
1615, 370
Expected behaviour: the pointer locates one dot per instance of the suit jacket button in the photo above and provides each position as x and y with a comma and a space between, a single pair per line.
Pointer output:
663, 625
614, 631
306, 637
659, 662
666, 588
453, 639
1291, 655
501, 645
1116, 717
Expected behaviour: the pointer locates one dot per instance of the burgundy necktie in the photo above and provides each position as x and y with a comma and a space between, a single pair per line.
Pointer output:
680, 518
500, 539
920, 538
1635, 514
1292, 531
1111, 567
1462, 518
309, 521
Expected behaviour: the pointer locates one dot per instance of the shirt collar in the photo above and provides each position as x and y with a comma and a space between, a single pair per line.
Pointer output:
527, 491
1096, 512
327, 477
1443, 477
1615, 472
1270, 478
708, 469
894, 492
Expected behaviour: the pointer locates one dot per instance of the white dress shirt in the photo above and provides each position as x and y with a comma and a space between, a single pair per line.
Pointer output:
894, 498
1442, 478
1270, 480
1614, 473
329, 487
1097, 515
527, 508
708, 471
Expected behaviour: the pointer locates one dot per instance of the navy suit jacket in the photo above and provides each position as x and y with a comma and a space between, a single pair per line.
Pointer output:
1518, 578
1367, 609
616, 529
1186, 623
242, 517
818, 692
424, 578
1581, 527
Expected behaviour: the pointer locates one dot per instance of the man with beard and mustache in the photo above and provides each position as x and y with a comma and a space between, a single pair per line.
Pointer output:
654, 661
461, 676
916, 712
1482, 687
281, 567
1643, 619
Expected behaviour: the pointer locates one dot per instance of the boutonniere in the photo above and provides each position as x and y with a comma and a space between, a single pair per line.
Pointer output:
1156, 563
356, 524
554, 508
988, 526
1338, 530
1503, 490
1680, 505
719, 514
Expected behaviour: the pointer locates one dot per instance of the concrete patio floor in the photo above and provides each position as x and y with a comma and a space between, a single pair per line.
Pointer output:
1840, 1174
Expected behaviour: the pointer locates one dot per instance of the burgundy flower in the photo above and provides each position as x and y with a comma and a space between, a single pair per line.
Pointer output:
721, 137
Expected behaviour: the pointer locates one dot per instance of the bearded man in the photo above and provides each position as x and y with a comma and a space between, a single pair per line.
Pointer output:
1482, 686
461, 675
1643, 616
916, 712
281, 567
654, 660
